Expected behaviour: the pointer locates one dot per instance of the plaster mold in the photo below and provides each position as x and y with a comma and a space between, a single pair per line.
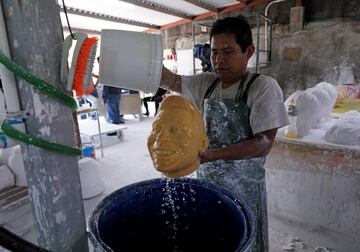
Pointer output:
331, 91
324, 103
314, 106
5, 155
16, 164
6, 177
306, 105
346, 131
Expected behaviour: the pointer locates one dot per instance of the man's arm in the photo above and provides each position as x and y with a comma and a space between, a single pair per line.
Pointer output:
257, 146
170, 81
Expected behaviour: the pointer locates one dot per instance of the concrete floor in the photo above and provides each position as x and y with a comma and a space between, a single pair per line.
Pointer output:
127, 161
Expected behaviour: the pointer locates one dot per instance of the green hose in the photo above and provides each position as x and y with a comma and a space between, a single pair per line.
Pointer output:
26, 138
48, 89
38, 83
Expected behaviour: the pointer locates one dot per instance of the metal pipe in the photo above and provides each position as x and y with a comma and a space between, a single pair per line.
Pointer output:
257, 43
266, 26
270, 42
268, 20
8, 78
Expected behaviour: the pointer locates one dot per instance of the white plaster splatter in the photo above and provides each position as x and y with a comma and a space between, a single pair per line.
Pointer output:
60, 217
39, 212
346, 75
264, 139
57, 197
45, 111
16, 43
10, 11
45, 131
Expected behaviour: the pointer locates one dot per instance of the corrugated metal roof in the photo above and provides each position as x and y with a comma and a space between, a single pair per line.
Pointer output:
139, 15
182, 6
221, 3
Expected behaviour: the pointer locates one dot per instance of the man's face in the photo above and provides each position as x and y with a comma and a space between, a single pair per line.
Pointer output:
227, 58
174, 143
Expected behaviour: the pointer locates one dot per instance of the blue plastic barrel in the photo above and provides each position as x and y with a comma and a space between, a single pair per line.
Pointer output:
172, 215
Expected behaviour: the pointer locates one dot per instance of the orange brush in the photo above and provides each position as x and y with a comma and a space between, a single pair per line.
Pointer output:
82, 82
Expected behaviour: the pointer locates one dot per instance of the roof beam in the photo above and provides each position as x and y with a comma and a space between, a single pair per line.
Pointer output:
159, 8
203, 5
229, 8
241, 5
106, 17
65, 28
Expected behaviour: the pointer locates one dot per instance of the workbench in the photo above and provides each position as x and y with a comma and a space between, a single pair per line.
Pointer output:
315, 186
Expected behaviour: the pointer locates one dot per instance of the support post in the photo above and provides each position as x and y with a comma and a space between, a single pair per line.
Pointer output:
35, 39
297, 18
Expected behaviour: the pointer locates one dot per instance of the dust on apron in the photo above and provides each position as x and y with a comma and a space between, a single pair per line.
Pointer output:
227, 122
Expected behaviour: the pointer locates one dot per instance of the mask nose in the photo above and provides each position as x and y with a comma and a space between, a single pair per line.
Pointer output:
164, 134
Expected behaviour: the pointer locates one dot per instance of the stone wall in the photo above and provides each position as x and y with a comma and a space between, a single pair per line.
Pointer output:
323, 51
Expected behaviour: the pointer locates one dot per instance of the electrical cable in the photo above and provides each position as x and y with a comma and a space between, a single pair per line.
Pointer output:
67, 20
15, 243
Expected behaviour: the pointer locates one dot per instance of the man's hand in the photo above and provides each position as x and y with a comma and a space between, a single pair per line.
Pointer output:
257, 146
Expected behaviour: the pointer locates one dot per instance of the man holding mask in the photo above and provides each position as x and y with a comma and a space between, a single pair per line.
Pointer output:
242, 112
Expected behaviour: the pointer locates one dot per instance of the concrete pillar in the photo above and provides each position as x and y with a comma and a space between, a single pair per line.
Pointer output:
296, 18
35, 39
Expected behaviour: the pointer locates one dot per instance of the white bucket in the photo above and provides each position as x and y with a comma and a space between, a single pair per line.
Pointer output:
131, 60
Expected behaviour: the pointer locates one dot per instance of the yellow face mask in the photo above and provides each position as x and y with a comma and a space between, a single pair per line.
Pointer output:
178, 138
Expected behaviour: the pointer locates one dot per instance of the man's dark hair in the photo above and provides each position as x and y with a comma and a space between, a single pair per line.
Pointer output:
238, 26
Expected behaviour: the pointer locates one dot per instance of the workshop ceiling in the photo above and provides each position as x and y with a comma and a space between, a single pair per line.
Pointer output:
141, 15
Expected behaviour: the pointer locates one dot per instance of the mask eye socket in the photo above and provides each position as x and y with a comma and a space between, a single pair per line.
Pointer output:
177, 130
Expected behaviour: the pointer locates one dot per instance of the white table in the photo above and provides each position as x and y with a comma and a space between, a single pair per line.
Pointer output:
92, 128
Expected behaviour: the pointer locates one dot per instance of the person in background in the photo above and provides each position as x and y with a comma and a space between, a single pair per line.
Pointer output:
157, 98
111, 97
242, 112
203, 52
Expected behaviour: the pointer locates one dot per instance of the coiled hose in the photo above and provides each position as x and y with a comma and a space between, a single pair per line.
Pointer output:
45, 88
